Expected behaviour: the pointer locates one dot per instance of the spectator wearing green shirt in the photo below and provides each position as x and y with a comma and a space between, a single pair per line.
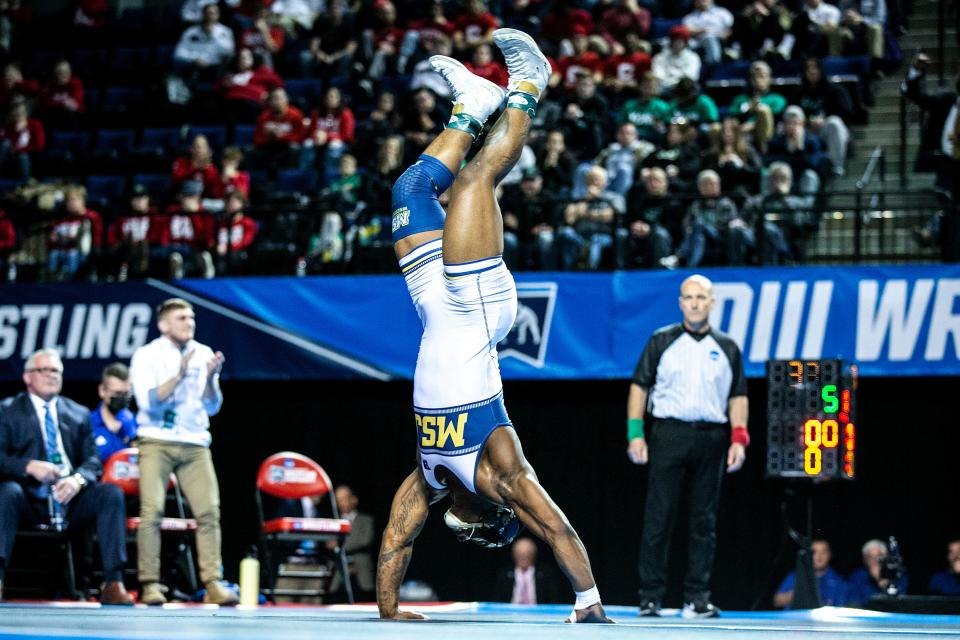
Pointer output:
696, 108
760, 107
648, 113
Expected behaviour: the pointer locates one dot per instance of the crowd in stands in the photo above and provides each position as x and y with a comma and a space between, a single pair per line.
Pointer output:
264, 135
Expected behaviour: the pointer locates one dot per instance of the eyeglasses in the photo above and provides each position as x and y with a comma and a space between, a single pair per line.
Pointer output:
46, 370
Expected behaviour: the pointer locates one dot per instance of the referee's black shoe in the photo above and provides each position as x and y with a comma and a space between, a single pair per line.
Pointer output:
700, 609
649, 609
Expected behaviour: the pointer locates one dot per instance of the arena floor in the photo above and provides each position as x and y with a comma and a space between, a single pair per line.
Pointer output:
462, 621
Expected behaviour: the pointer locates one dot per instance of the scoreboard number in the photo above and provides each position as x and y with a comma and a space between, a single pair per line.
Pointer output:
810, 409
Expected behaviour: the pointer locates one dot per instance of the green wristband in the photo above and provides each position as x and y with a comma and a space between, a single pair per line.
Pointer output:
634, 428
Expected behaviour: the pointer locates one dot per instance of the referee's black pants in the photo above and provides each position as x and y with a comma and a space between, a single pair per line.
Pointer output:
686, 461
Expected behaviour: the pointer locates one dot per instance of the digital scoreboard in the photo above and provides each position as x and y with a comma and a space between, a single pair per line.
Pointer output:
811, 419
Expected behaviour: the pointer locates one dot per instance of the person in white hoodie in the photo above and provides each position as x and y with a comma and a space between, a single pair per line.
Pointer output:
676, 61
204, 47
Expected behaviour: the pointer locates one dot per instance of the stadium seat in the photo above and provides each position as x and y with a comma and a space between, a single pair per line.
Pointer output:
128, 64
660, 27
9, 184
295, 181
112, 149
163, 56
41, 63
292, 476
156, 184
88, 63
91, 99
155, 151
122, 105
64, 154
738, 70
839, 68
104, 190
216, 135
243, 135
304, 92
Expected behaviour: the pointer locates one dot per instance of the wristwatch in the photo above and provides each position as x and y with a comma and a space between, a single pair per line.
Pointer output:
80, 480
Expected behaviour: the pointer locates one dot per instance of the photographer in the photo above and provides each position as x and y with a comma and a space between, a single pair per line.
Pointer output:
874, 577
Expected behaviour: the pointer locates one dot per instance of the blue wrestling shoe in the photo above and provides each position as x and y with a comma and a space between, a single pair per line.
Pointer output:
472, 95
529, 69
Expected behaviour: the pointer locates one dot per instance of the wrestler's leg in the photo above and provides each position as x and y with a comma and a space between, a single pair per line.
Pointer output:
407, 516
417, 190
474, 226
504, 476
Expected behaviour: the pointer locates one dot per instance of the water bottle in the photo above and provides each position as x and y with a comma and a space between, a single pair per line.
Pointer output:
250, 578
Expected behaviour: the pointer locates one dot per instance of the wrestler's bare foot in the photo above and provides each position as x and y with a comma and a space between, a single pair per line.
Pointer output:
592, 614
404, 615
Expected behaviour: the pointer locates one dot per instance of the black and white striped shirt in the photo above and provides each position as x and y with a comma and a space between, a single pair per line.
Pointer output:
689, 376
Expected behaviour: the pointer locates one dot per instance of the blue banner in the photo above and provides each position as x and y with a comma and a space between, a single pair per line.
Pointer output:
892, 321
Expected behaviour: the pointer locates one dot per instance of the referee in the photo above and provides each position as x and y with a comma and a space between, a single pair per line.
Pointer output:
691, 377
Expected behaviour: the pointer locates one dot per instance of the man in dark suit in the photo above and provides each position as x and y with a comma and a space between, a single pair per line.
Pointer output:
49, 468
525, 582
358, 544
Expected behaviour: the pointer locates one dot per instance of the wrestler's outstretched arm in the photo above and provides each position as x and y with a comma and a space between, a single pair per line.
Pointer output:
407, 515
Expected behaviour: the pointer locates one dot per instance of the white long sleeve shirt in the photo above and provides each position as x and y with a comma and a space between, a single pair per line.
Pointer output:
216, 47
184, 416
669, 67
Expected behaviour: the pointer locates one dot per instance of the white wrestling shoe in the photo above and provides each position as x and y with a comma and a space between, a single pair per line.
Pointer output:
529, 69
472, 95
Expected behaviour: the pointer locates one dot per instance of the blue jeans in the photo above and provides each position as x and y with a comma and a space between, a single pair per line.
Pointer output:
572, 245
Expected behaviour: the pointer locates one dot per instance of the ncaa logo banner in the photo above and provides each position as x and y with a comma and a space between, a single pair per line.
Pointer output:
897, 320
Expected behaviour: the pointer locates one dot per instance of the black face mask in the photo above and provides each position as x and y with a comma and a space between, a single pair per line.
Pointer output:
116, 404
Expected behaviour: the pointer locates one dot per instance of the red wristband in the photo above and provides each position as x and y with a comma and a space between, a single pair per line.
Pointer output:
739, 435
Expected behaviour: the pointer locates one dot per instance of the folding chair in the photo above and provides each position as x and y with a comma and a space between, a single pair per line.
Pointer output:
292, 476
123, 470
64, 544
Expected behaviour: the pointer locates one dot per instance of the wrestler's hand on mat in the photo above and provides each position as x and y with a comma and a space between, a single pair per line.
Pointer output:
637, 451
405, 615
736, 455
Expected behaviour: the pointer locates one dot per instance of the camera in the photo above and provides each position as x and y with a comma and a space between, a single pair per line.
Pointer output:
891, 568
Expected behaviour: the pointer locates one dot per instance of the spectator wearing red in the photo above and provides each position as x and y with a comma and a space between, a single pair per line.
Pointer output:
13, 84
91, 14
23, 136
562, 22
127, 249
280, 132
475, 27
235, 236
73, 237
582, 62
383, 44
8, 242
625, 17
622, 72
62, 99
436, 25
183, 236
332, 129
482, 64
263, 37
244, 90
197, 166
232, 179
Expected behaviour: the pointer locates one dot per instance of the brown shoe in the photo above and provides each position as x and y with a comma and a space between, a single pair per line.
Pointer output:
115, 593
217, 593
